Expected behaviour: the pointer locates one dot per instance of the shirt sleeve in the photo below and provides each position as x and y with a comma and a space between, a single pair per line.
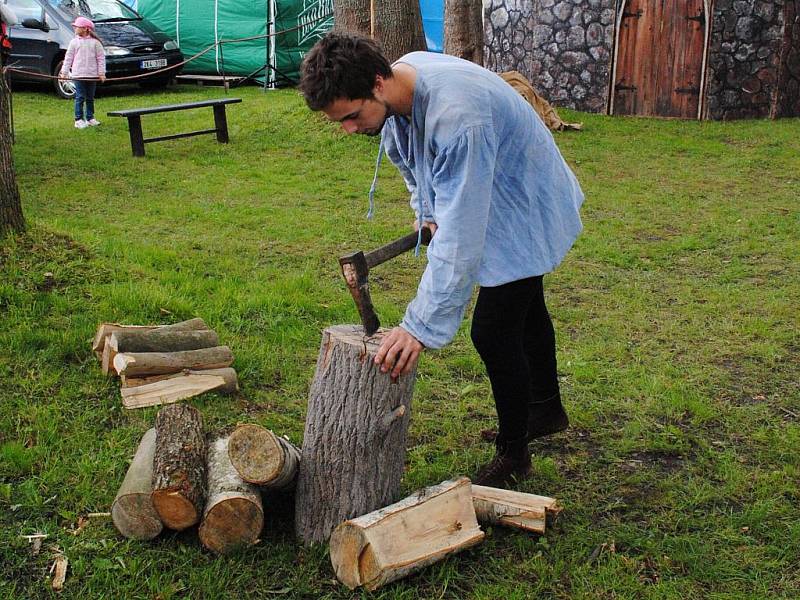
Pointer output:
462, 183
69, 57
390, 146
101, 59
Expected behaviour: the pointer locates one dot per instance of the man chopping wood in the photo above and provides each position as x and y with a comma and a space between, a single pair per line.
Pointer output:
486, 176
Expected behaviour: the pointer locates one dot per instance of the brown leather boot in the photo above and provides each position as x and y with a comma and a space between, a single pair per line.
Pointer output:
511, 463
546, 417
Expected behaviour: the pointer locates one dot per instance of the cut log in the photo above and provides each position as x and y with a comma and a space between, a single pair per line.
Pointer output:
159, 363
133, 512
233, 516
355, 435
107, 360
397, 540
179, 466
263, 458
513, 509
162, 340
180, 386
105, 329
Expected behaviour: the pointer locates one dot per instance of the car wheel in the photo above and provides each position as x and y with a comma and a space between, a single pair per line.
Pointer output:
64, 87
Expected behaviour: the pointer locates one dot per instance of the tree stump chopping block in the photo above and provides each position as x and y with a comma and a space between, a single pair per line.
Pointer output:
233, 516
355, 435
133, 512
179, 466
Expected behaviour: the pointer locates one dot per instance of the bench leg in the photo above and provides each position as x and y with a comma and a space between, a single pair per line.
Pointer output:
135, 131
221, 123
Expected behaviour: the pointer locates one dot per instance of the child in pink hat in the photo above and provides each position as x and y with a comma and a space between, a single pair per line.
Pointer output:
85, 62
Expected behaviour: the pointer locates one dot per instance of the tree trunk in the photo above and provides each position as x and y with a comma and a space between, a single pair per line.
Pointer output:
398, 27
397, 540
263, 458
352, 16
463, 29
135, 364
355, 435
133, 512
179, 466
11, 217
233, 516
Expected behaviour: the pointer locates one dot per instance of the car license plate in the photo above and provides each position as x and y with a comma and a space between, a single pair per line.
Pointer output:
154, 64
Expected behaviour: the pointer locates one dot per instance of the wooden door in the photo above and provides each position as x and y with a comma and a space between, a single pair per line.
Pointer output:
660, 58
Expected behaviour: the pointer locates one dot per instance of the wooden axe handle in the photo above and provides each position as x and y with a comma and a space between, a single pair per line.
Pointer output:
397, 247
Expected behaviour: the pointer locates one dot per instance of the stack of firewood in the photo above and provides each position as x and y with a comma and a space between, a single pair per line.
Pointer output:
182, 476
163, 364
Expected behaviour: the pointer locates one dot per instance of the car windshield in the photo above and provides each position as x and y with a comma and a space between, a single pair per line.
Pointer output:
97, 10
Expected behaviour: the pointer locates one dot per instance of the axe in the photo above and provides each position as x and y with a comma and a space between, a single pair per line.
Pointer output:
356, 266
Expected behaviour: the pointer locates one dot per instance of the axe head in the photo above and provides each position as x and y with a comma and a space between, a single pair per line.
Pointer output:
356, 273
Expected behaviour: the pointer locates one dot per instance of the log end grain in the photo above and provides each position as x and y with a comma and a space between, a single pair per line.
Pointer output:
230, 525
255, 453
176, 511
135, 517
351, 556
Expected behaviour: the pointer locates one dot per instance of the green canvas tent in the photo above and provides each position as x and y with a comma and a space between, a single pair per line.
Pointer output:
281, 32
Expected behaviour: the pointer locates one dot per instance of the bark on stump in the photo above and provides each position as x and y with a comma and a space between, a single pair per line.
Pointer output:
133, 512
233, 516
355, 435
179, 466
263, 458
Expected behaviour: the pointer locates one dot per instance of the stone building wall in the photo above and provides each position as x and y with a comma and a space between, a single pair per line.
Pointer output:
744, 58
788, 102
562, 46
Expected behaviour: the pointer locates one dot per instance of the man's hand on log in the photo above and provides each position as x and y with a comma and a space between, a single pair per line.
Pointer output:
398, 352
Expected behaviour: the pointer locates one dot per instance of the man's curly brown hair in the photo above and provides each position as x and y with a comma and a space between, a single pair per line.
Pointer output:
341, 65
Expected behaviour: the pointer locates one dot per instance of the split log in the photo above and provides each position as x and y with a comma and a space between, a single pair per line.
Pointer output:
233, 516
106, 329
513, 509
263, 458
162, 340
355, 435
107, 359
133, 512
397, 540
179, 466
180, 386
160, 363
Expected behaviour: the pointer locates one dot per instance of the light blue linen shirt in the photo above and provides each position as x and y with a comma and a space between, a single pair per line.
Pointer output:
481, 164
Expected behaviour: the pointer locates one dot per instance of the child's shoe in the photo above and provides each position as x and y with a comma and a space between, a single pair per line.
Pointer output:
80, 124
93, 122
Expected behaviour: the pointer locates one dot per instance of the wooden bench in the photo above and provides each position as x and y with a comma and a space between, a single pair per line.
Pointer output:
134, 116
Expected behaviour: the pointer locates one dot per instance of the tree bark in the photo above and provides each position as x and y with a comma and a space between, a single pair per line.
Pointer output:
463, 29
134, 364
159, 340
179, 466
355, 435
233, 516
352, 16
179, 387
397, 540
263, 458
11, 217
133, 512
398, 27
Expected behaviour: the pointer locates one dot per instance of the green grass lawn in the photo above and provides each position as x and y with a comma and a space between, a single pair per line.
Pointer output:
676, 315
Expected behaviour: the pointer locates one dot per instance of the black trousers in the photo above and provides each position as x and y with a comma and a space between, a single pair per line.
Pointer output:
514, 336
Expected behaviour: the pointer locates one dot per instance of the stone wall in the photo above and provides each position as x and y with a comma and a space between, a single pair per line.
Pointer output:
744, 58
562, 46
788, 102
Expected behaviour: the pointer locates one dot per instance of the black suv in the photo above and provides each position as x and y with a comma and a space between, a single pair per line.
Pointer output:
133, 46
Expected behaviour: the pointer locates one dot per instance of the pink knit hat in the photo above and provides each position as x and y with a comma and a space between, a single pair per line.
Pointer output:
83, 22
